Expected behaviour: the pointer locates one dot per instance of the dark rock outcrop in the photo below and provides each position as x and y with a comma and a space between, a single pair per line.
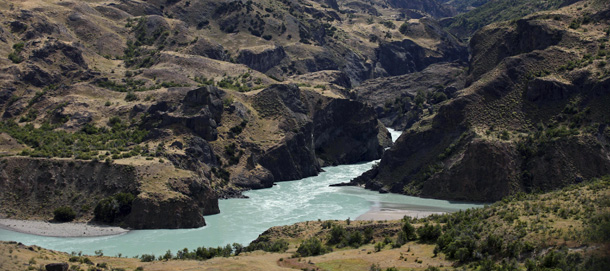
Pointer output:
154, 212
318, 130
261, 61
294, 158
57, 267
346, 132
200, 112
392, 97
207, 48
406, 56
197, 152
57, 182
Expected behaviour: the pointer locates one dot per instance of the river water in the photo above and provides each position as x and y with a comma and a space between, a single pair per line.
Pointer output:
242, 220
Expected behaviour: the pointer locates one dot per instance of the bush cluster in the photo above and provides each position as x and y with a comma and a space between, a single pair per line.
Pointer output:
114, 208
84, 144
64, 214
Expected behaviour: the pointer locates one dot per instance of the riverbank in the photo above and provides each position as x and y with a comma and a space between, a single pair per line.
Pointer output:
70, 229
378, 213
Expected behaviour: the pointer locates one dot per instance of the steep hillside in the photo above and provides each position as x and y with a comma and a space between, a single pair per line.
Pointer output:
534, 116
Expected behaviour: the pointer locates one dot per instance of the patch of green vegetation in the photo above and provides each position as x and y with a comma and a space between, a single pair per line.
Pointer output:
15, 56
265, 244
233, 84
340, 238
233, 153
203, 81
84, 144
64, 214
311, 247
517, 226
237, 129
132, 85
114, 208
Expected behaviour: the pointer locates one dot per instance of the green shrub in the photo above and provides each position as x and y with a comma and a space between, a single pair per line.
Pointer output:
337, 233
311, 247
130, 97
429, 233
64, 214
404, 28
147, 257
113, 208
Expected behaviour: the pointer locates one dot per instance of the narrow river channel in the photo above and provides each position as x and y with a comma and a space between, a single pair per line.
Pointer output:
242, 220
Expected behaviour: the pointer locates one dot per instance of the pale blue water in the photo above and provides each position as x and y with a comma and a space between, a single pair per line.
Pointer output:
242, 220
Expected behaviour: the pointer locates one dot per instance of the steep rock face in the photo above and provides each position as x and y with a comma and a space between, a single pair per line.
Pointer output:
200, 111
487, 172
199, 193
295, 157
261, 61
53, 183
392, 97
207, 48
28, 183
196, 153
315, 131
406, 56
493, 44
183, 207
483, 146
154, 212
346, 132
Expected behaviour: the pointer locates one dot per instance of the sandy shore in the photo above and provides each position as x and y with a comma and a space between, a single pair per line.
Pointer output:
45, 228
377, 213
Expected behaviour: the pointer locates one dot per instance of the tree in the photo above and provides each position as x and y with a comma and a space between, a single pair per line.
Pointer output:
404, 28
409, 230
64, 214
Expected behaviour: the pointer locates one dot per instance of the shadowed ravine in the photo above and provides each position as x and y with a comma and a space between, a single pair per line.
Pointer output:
242, 220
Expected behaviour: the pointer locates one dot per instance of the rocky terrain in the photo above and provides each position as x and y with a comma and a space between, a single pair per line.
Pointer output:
196, 103
205, 99
532, 117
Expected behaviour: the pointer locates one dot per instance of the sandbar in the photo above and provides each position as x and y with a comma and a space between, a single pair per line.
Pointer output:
68, 229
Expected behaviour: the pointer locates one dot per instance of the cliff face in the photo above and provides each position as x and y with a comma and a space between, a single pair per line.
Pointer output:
38, 186
347, 132
32, 187
316, 131
189, 200
532, 119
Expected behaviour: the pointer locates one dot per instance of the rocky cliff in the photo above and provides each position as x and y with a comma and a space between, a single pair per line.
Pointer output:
34, 187
306, 130
532, 119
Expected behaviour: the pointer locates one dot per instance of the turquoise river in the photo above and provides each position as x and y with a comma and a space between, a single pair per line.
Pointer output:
242, 220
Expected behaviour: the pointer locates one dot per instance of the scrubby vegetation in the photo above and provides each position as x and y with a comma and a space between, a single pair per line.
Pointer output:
64, 214
114, 208
88, 143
